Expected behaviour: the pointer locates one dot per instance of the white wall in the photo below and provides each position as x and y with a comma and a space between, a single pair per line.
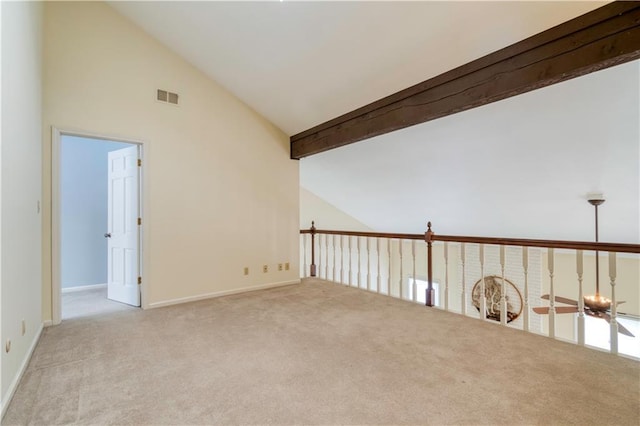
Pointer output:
21, 185
325, 215
220, 192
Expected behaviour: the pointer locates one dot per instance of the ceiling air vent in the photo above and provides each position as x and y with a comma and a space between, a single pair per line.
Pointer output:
164, 96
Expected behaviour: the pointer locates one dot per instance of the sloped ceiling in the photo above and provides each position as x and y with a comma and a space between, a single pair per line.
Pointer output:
520, 167
302, 63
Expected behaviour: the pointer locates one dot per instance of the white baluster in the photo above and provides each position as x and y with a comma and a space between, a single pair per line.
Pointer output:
304, 254
341, 260
368, 266
503, 290
319, 266
326, 257
446, 276
581, 319
389, 277
334, 257
414, 288
552, 298
614, 305
359, 262
525, 267
483, 294
350, 263
319, 252
400, 286
463, 256
378, 281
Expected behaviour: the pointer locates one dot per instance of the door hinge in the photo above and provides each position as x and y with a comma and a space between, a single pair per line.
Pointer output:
139, 162
139, 221
139, 280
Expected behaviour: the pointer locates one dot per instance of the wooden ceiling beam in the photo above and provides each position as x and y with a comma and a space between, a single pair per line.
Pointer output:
602, 38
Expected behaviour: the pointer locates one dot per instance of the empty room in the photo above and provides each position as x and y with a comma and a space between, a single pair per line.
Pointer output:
288, 212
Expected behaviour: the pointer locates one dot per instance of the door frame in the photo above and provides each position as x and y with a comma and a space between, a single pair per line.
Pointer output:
56, 238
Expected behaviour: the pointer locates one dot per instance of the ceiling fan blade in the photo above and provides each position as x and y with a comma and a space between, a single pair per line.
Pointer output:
566, 309
567, 301
561, 300
541, 310
621, 328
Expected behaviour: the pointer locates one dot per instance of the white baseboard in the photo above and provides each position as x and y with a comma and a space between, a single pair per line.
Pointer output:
220, 294
82, 288
23, 367
47, 323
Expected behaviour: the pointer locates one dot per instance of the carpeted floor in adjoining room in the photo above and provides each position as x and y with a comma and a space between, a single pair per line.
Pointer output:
89, 302
315, 353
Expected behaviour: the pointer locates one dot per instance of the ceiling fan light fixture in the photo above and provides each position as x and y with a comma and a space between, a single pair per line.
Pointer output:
597, 303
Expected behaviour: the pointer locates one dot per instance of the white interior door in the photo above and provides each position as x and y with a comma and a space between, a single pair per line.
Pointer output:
122, 234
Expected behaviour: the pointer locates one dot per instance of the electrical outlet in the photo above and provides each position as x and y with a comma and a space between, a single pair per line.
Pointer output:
265, 268
7, 346
286, 266
24, 327
279, 266
246, 270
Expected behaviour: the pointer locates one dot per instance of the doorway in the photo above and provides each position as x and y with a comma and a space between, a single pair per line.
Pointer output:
97, 265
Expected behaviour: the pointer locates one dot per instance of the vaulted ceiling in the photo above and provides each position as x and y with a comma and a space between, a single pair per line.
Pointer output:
520, 167
302, 63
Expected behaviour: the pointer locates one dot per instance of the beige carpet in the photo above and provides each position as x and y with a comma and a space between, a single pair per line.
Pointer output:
93, 301
315, 353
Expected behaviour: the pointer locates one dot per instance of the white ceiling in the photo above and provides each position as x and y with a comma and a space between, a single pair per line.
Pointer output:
520, 167
302, 63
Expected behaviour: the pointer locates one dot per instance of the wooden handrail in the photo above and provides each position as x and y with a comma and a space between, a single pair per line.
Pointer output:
576, 245
366, 234
562, 244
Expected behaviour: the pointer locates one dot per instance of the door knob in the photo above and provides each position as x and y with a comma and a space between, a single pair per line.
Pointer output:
107, 235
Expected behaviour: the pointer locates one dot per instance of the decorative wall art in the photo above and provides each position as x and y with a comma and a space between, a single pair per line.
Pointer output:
493, 293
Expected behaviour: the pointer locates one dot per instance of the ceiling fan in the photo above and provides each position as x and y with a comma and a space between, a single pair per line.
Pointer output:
596, 310
594, 305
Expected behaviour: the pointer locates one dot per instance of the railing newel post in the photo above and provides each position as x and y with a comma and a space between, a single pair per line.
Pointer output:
312, 269
428, 236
